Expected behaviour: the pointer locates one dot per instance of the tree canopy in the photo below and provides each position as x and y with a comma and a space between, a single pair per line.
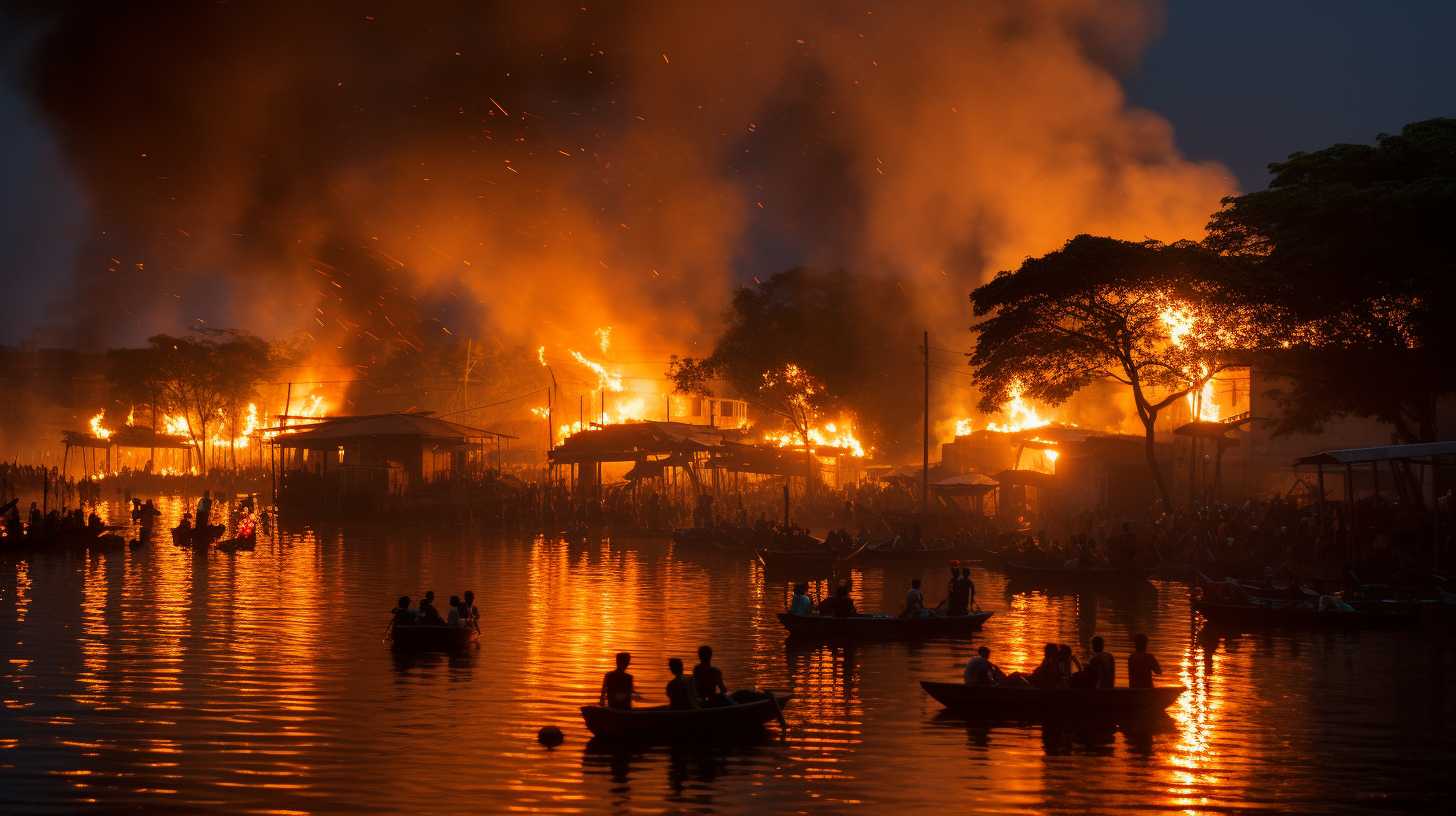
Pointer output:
1352, 241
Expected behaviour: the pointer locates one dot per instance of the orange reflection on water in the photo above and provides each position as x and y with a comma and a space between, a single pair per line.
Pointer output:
1196, 714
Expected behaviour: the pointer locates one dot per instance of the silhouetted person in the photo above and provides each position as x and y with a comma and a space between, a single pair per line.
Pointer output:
428, 612
403, 615
708, 679
680, 692
1141, 665
617, 690
802, 604
1101, 666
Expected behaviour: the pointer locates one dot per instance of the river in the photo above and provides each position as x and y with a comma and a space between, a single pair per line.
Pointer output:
163, 680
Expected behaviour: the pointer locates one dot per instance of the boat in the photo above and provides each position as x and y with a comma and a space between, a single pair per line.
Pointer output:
432, 637
1257, 613
197, 536
1027, 702
240, 543
746, 717
729, 539
1022, 571
882, 627
804, 553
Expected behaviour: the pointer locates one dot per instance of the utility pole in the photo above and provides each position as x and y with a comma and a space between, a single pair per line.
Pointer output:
925, 440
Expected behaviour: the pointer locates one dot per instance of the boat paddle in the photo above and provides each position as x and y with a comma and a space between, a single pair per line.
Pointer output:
777, 708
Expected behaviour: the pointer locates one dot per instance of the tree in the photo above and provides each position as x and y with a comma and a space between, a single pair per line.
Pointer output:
850, 330
207, 379
1157, 318
1353, 241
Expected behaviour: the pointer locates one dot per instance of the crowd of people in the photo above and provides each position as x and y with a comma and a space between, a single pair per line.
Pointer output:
704, 688
463, 611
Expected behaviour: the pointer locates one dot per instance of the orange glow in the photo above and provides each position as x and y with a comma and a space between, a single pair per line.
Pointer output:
1021, 415
606, 380
97, 429
838, 434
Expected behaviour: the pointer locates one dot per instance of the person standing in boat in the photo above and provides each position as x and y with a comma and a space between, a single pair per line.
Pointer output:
428, 613
708, 679
469, 611
617, 689
1141, 665
204, 510
149, 514
680, 692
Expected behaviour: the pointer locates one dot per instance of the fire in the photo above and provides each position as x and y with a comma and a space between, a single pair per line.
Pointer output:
175, 426
131, 416
541, 412
97, 429
604, 338
1179, 322
541, 355
1021, 415
1202, 404
964, 427
607, 380
838, 434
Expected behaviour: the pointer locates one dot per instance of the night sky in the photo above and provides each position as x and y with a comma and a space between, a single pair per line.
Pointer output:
1243, 83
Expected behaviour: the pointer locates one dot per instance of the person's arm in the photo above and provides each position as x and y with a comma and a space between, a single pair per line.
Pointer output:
1157, 669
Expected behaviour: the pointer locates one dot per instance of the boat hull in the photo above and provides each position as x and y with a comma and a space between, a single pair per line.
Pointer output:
661, 724
432, 638
882, 627
1021, 702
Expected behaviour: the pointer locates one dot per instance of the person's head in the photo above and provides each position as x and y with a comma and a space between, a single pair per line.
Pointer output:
1050, 650
984, 651
430, 595
454, 600
801, 589
705, 654
404, 602
1097, 643
470, 597
624, 659
1064, 650
1140, 642
674, 665
914, 583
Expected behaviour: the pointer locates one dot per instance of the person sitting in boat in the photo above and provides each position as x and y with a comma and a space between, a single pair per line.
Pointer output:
914, 601
680, 692
1068, 666
1048, 674
841, 605
617, 689
802, 604
402, 614
204, 509
1101, 669
1141, 665
980, 671
149, 514
708, 679
428, 613
454, 617
93, 521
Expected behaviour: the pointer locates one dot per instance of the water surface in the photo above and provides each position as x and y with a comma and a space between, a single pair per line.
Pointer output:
164, 679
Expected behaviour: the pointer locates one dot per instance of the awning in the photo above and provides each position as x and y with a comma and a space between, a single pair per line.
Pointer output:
1384, 453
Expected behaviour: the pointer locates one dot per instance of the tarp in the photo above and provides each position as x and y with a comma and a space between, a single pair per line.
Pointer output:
336, 430
1382, 453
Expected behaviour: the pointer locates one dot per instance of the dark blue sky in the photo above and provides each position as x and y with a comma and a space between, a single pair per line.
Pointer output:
1246, 83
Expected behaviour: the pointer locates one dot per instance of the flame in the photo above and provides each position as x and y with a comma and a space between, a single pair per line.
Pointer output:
1051, 455
1179, 322
1021, 415
964, 427
175, 426
1202, 404
606, 380
838, 434
541, 412
541, 355
131, 416
97, 429
604, 338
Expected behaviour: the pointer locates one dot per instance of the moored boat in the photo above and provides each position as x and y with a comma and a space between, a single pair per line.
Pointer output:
882, 627
745, 717
432, 637
1257, 613
1038, 703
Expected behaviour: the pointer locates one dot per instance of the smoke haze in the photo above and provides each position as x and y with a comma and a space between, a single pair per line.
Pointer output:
537, 170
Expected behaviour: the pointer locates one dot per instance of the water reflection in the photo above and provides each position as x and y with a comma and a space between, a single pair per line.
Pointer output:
170, 678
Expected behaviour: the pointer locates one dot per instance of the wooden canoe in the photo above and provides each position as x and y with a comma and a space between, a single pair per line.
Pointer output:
1026, 702
438, 637
882, 627
746, 717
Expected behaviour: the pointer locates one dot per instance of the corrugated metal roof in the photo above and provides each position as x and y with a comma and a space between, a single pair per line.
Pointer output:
1382, 453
